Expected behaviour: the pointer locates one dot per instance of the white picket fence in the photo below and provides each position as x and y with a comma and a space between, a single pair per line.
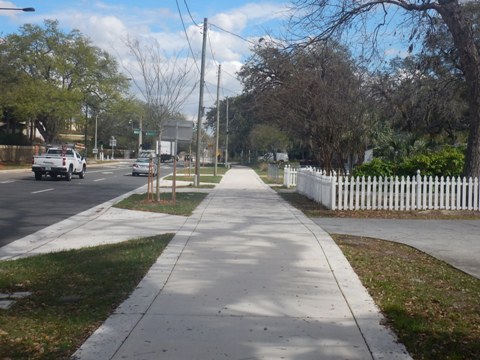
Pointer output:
392, 193
289, 176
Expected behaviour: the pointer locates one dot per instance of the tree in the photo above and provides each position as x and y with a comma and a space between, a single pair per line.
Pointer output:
329, 18
242, 117
163, 82
304, 91
419, 100
54, 76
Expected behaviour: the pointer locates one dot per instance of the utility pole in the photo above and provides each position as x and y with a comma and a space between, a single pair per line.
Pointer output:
200, 104
226, 139
218, 122
86, 133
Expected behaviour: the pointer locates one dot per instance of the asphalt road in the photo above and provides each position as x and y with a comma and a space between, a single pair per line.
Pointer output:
27, 205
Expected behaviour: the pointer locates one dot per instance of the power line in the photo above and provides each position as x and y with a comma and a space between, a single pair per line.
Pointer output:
231, 33
189, 13
186, 35
208, 91
211, 49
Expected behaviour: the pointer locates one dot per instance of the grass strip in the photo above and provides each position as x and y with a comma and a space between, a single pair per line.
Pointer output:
433, 308
72, 293
203, 178
184, 205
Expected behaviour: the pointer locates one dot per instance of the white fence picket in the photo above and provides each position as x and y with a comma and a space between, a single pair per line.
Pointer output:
404, 194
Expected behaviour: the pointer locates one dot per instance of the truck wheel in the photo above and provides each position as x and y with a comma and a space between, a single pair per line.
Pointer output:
68, 175
38, 175
81, 174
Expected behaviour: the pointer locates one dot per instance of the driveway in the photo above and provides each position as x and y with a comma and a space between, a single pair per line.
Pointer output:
455, 241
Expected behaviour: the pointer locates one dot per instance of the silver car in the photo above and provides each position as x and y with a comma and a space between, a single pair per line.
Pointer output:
141, 166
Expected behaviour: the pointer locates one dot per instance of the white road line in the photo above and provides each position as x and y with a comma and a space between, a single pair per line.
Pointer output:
41, 191
107, 172
99, 180
7, 182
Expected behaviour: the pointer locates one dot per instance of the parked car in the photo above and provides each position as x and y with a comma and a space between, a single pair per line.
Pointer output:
141, 166
269, 157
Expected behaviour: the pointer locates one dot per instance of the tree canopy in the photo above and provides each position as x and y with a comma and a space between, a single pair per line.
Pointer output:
313, 95
52, 78
326, 19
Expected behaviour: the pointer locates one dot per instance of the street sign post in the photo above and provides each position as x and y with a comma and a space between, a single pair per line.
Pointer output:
181, 130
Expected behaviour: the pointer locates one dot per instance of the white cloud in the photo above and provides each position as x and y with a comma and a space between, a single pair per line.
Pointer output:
250, 14
108, 26
10, 13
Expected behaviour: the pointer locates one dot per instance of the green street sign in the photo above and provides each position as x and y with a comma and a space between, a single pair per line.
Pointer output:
136, 131
150, 133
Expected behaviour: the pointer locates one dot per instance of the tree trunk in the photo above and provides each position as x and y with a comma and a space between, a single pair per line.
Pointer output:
464, 41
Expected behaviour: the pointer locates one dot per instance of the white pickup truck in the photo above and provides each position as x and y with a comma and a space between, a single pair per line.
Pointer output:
59, 161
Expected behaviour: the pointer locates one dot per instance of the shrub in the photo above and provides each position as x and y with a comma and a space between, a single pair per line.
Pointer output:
376, 167
447, 162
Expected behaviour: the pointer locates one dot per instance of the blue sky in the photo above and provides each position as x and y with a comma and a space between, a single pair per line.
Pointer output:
234, 26
109, 22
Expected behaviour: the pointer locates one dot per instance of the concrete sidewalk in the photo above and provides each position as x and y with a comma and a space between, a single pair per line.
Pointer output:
247, 276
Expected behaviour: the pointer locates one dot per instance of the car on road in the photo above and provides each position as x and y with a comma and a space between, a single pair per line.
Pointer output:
59, 161
141, 166
168, 158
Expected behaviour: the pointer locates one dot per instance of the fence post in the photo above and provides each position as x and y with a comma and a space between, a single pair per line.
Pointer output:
442, 193
333, 194
448, 194
374, 193
340, 193
419, 191
407, 193
369, 192
346, 192
476, 198
424, 192
470, 193
459, 193
430, 192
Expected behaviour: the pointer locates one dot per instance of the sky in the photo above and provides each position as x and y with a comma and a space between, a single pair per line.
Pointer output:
233, 27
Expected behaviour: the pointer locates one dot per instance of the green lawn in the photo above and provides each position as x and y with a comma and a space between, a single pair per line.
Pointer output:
185, 203
72, 293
